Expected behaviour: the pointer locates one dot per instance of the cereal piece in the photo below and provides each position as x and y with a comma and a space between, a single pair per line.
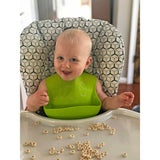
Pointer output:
112, 131
45, 131
77, 129
108, 127
105, 153
30, 143
58, 152
72, 152
71, 135
25, 144
102, 154
99, 156
101, 128
68, 146
33, 157
72, 147
55, 131
67, 129
36, 123
124, 154
100, 145
33, 144
89, 128
87, 133
51, 151
71, 129
59, 137
95, 129
27, 151
57, 159
52, 148
60, 129
87, 142
61, 150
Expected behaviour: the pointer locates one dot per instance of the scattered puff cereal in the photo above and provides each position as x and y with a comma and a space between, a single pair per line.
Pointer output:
59, 137
72, 151
71, 135
33, 157
27, 151
36, 123
87, 152
124, 154
45, 131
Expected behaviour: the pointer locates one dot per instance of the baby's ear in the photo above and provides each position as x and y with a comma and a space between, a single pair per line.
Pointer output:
89, 61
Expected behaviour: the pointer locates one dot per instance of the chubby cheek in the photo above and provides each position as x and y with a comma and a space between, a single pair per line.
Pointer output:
56, 66
78, 70
77, 73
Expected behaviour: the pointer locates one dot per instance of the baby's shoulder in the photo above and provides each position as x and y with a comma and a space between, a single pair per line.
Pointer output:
43, 81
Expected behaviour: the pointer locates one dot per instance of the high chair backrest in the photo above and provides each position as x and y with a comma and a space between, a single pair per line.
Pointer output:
37, 44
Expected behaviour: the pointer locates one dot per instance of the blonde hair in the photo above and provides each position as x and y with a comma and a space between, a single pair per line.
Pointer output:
75, 36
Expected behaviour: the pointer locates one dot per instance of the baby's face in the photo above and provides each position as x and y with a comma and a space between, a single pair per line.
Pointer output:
70, 60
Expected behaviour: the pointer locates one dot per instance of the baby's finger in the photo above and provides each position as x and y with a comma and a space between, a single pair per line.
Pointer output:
43, 93
131, 95
127, 104
130, 101
44, 98
124, 98
44, 103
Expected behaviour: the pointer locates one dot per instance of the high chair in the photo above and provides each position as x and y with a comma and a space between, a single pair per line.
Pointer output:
37, 44
36, 63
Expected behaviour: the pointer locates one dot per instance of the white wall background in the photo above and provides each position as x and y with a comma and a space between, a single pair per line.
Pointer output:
28, 14
73, 8
122, 20
125, 18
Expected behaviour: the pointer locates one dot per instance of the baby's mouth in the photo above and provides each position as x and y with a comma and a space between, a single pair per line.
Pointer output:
66, 72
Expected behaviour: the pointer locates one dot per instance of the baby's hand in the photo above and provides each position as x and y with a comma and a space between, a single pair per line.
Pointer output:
39, 98
125, 99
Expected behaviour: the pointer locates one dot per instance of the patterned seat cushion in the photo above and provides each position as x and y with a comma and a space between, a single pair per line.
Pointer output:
37, 44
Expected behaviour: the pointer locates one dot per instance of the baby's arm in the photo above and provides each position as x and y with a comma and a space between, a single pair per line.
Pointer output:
123, 100
39, 98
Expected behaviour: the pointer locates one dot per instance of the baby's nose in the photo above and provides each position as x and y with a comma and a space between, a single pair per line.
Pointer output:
66, 64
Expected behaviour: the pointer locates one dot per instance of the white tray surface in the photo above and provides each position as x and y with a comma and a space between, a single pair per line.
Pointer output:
126, 137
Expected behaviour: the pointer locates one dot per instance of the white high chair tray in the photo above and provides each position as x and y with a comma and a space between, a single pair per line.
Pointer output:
126, 137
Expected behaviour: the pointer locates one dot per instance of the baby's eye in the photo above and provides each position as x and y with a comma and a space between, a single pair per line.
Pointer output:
73, 59
60, 58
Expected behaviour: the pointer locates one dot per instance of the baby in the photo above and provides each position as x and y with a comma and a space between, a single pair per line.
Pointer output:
71, 59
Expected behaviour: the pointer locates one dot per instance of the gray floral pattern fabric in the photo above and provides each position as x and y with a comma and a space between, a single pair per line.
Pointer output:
37, 44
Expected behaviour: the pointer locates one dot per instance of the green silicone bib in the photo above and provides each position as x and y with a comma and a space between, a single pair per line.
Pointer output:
72, 99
